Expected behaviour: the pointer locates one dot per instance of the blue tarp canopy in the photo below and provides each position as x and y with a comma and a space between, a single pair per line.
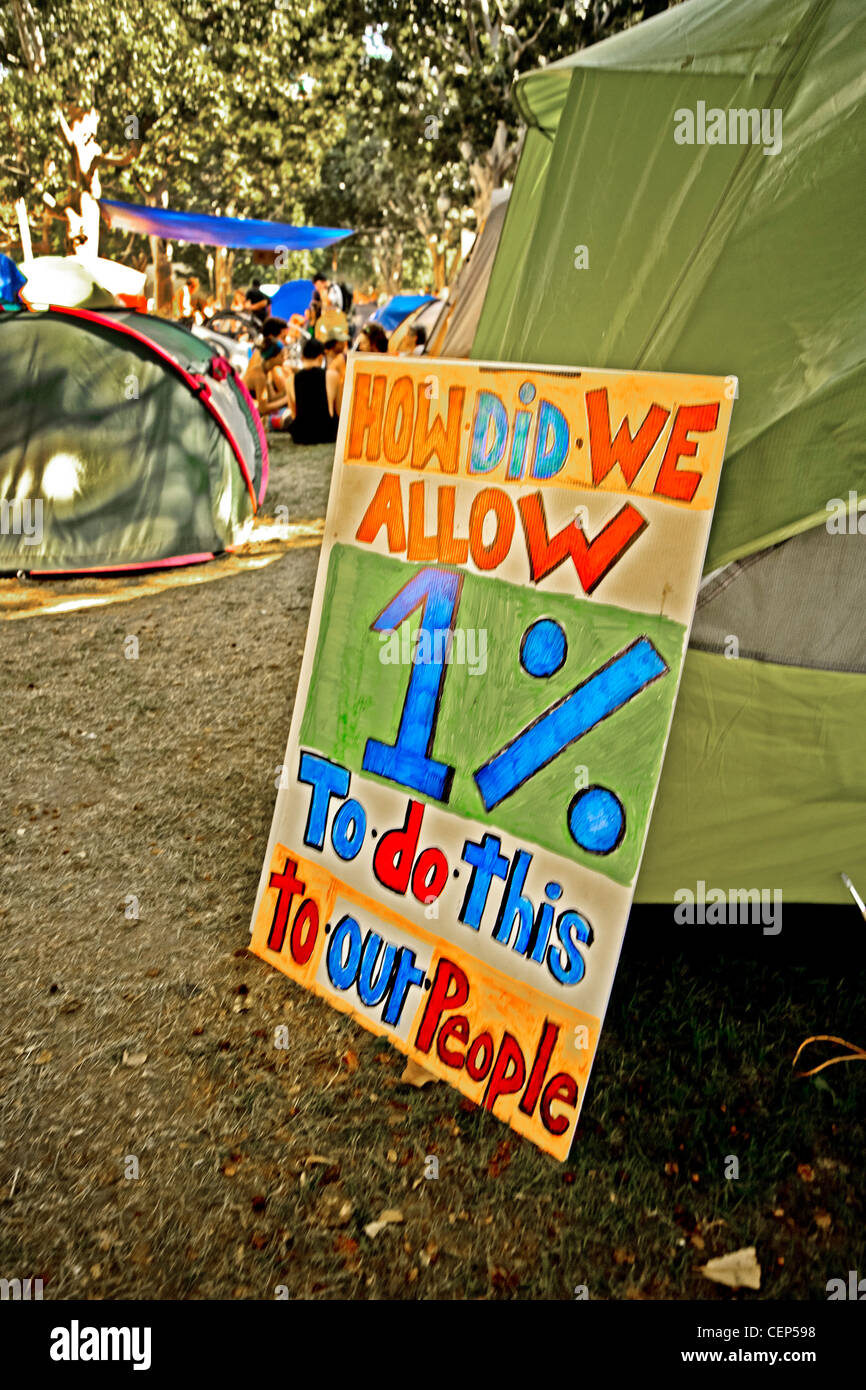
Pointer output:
294, 297
206, 230
396, 309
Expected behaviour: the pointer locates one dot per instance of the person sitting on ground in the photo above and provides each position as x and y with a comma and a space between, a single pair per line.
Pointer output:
257, 302
264, 377
335, 361
312, 414
372, 338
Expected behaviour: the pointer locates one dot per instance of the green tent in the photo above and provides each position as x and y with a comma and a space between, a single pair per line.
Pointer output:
727, 258
124, 444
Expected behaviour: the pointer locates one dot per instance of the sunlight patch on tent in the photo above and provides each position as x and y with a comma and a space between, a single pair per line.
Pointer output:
61, 478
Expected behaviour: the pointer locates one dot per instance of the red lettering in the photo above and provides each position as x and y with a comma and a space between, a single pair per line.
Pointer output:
560, 1087
457, 1027
546, 1044
433, 866
392, 862
302, 943
681, 486
630, 453
592, 559
288, 885
509, 1071
482, 1044
442, 997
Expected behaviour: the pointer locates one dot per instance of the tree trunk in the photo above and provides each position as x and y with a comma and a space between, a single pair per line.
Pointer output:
437, 251
224, 260
491, 169
82, 212
387, 259
163, 283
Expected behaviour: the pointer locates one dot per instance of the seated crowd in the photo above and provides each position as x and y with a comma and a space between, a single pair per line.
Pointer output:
297, 368
297, 373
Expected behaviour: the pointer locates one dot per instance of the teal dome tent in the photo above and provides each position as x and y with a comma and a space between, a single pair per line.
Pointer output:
124, 443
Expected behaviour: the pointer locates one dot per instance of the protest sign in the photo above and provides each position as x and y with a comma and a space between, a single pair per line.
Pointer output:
508, 576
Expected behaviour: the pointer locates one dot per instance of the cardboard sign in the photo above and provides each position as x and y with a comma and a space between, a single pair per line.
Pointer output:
508, 576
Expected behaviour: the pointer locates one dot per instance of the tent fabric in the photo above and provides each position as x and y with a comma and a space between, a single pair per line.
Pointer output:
397, 308
80, 281
136, 454
724, 259
204, 229
524, 209
426, 316
294, 297
714, 258
762, 783
798, 604
195, 356
64, 280
471, 284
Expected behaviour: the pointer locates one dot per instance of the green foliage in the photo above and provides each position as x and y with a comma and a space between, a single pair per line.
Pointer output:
361, 113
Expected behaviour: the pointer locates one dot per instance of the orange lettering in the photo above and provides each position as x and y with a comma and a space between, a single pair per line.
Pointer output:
421, 546
491, 499
386, 509
438, 438
453, 550
398, 420
368, 399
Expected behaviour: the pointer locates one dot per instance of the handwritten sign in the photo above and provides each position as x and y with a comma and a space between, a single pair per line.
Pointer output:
508, 576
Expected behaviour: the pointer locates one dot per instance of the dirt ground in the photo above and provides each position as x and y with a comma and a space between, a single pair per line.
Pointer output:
155, 1143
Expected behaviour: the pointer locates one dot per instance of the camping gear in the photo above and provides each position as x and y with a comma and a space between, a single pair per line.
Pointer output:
625, 245
453, 332
294, 297
204, 229
11, 281
237, 353
237, 324
425, 316
332, 326
398, 307
64, 280
79, 282
125, 442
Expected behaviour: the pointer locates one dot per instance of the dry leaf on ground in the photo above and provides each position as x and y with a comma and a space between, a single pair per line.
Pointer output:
739, 1270
389, 1217
413, 1075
